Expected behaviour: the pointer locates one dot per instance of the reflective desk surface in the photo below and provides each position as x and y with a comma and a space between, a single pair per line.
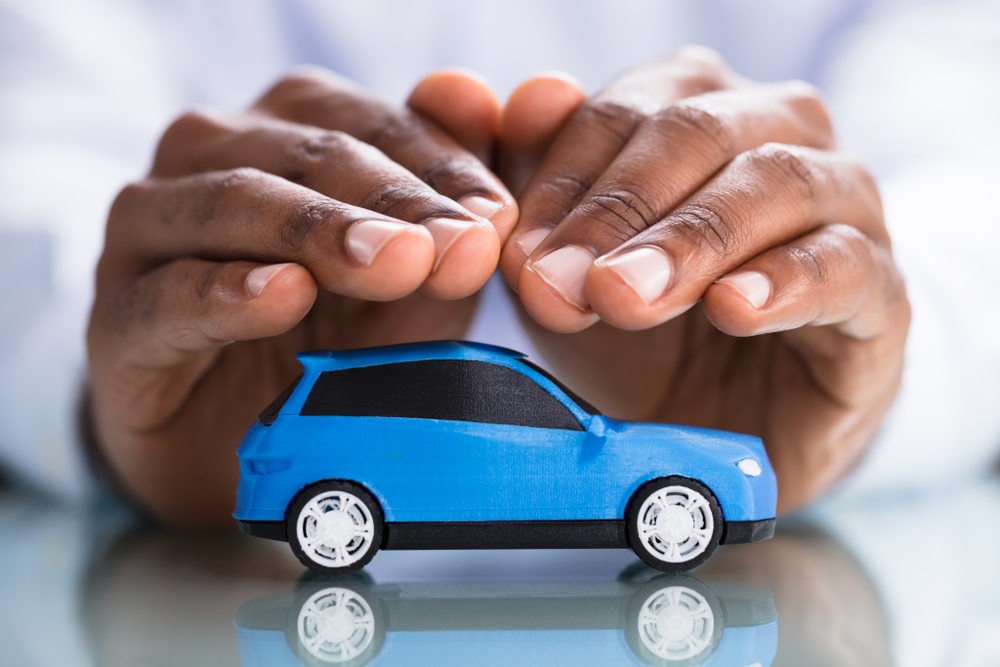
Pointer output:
894, 581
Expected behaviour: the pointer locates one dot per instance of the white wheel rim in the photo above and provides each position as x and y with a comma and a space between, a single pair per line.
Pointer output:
676, 623
335, 529
336, 625
675, 524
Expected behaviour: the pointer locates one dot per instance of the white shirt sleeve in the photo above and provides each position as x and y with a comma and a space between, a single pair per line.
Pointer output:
916, 94
85, 91
76, 118
56, 187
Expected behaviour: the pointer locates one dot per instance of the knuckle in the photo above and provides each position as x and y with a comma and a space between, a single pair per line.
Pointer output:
302, 222
243, 179
709, 129
852, 235
700, 69
127, 206
701, 55
202, 286
856, 249
313, 153
867, 188
188, 132
210, 200
195, 121
131, 305
810, 262
298, 92
452, 174
127, 200
240, 176
609, 117
569, 185
806, 101
385, 131
797, 89
836, 250
792, 167
624, 209
560, 192
211, 289
706, 226
297, 82
399, 200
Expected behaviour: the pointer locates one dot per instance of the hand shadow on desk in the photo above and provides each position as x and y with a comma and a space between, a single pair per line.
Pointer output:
829, 613
160, 598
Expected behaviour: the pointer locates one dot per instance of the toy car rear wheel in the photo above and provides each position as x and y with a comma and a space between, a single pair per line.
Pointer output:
336, 622
334, 527
674, 523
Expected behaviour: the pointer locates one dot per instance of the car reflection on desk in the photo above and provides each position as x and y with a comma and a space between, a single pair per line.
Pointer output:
672, 619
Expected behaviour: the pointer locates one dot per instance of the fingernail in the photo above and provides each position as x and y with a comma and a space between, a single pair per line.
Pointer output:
531, 239
367, 237
484, 207
445, 232
564, 270
646, 270
752, 286
258, 278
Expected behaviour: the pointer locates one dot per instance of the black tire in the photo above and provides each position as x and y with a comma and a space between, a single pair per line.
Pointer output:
355, 554
648, 552
351, 593
686, 596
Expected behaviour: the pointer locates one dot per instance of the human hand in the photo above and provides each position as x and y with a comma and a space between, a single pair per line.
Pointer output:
323, 217
694, 249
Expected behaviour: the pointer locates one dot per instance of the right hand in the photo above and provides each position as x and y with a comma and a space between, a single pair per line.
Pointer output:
323, 217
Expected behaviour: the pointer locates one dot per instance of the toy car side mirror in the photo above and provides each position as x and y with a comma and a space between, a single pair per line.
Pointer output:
597, 425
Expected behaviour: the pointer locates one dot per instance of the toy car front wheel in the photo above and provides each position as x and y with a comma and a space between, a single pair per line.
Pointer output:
334, 527
674, 523
674, 620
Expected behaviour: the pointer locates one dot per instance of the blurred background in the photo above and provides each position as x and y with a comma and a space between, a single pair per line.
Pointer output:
87, 87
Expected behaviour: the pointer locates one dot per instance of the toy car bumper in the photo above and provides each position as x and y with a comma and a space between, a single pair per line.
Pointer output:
744, 532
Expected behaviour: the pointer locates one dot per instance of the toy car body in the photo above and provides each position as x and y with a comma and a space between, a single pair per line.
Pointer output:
462, 445
672, 619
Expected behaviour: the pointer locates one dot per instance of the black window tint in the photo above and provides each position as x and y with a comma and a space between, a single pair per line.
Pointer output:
471, 391
584, 405
271, 412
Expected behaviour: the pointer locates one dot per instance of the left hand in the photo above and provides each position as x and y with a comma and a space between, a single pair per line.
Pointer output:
694, 249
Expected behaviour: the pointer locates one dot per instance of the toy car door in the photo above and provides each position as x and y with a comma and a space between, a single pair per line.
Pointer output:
454, 440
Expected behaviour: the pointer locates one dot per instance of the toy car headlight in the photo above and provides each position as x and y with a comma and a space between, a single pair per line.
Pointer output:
749, 467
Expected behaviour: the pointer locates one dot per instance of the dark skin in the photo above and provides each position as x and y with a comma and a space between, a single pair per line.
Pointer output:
763, 297
743, 277
186, 349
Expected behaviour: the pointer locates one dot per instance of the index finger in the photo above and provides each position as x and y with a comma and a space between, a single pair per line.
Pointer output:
594, 136
318, 97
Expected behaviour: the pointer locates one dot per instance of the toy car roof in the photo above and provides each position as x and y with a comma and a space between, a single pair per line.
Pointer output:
389, 354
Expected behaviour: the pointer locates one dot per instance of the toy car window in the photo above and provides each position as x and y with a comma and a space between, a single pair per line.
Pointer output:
270, 413
451, 389
584, 405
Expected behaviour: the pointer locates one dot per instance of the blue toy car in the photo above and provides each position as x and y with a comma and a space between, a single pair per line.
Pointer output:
456, 445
